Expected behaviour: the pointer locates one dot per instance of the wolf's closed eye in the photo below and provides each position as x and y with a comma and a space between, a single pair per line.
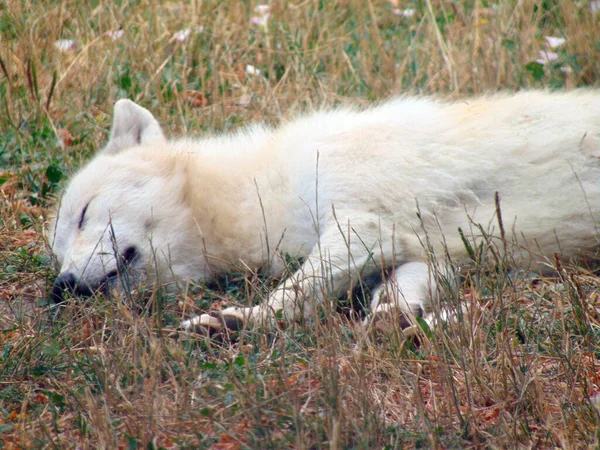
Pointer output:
82, 218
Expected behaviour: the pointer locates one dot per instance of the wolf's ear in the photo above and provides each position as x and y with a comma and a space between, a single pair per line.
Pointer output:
132, 125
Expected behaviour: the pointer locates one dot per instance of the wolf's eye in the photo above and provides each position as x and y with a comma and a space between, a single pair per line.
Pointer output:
82, 218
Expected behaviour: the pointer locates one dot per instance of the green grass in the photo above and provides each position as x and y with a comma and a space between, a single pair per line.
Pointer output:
520, 368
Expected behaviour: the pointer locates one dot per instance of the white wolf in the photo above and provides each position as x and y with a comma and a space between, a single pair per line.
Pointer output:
347, 191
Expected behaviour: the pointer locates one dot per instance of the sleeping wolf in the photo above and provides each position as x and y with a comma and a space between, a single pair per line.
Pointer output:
348, 191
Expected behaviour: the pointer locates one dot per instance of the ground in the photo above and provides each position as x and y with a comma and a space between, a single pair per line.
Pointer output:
518, 368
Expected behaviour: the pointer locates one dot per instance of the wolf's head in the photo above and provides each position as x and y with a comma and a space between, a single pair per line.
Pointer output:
125, 211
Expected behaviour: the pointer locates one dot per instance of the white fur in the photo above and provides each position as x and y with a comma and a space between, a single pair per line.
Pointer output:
341, 189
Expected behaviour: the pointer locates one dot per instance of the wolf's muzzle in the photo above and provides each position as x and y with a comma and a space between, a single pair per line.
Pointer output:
66, 283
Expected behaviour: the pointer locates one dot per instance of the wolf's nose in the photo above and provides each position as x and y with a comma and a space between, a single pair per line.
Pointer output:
65, 282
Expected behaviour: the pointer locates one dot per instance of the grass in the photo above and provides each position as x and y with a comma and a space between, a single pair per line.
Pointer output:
519, 368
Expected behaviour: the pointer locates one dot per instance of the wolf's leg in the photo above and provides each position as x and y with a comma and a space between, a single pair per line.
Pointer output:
407, 295
409, 289
341, 257
401, 298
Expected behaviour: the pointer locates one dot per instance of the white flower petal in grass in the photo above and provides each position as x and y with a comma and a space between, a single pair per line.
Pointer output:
251, 70
566, 69
595, 7
555, 42
182, 35
404, 12
261, 20
64, 45
261, 9
115, 35
546, 57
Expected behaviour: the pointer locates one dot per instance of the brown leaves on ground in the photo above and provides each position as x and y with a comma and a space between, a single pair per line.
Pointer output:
25, 238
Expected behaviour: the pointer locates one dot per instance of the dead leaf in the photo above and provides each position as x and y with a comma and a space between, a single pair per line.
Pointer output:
196, 99
41, 398
226, 442
65, 136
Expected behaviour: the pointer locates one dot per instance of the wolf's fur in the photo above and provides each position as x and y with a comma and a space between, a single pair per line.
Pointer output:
340, 189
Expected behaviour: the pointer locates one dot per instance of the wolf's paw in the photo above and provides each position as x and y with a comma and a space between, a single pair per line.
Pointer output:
388, 320
214, 322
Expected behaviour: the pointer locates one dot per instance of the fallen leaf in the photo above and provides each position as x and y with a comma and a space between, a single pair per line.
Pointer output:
196, 99
65, 137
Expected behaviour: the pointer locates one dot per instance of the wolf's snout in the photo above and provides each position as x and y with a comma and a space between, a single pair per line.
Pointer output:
66, 283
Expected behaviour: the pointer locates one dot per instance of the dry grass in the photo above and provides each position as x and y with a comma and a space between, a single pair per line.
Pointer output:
520, 369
